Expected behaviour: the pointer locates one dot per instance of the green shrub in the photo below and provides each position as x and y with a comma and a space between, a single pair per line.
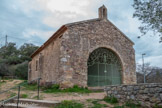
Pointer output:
157, 106
21, 70
56, 88
111, 99
132, 105
118, 107
12, 94
24, 96
97, 105
32, 87
70, 104
2, 82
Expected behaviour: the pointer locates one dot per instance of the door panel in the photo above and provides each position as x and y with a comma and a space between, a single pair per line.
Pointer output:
109, 74
102, 76
103, 68
93, 75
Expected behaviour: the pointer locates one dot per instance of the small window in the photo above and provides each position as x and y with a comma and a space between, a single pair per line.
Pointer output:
36, 67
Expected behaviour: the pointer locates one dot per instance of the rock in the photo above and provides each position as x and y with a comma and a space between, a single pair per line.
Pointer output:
160, 104
147, 94
161, 97
124, 89
146, 90
136, 88
130, 88
152, 90
132, 97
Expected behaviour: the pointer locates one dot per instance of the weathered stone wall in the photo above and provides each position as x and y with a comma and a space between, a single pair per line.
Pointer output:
81, 39
64, 60
146, 94
48, 68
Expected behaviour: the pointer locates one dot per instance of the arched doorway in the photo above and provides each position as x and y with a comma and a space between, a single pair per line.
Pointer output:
104, 68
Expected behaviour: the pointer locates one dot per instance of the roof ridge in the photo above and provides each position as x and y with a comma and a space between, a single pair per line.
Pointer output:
78, 22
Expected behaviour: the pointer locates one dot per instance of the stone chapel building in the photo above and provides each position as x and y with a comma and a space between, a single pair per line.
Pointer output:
89, 53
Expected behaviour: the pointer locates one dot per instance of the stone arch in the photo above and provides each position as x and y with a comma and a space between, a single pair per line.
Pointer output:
117, 57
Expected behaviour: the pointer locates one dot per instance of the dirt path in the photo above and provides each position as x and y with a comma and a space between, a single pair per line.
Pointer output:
9, 84
73, 96
6, 85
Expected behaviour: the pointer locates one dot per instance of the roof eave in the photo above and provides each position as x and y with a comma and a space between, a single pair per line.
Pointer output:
59, 32
122, 32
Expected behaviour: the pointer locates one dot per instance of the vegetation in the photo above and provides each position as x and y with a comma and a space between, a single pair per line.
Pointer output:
111, 99
12, 95
98, 105
14, 61
118, 107
153, 74
70, 104
56, 88
157, 106
31, 87
1, 82
150, 13
24, 96
132, 105
129, 104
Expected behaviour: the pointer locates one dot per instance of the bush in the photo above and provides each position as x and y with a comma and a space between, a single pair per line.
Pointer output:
111, 99
118, 107
21, 70
157, 106
12, 95
132, 105
25, 85
69, 104
56, 88
97, 105
24, 96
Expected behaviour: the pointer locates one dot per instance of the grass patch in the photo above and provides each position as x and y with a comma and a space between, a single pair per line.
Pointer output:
132, 105
23, 83
24, 96
157, 106
31, 87
36, 97
98, 105
110, 99
119, 106
56, 88
70, 104
129, 104
27, 86
2, 82
12, 95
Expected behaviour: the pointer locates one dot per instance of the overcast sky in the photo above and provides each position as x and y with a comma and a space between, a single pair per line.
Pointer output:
36, 20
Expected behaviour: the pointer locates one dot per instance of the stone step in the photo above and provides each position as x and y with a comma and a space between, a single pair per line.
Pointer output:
14, 105
97, 89
36, 103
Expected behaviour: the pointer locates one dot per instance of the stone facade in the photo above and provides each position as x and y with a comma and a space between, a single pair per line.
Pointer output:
146, 94
64, 56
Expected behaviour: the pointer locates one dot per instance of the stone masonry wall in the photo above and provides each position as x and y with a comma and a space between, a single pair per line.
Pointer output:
81, 39
64, 61
146, 94
50, 64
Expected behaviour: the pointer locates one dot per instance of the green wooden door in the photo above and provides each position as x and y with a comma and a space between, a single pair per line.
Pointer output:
104, 68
